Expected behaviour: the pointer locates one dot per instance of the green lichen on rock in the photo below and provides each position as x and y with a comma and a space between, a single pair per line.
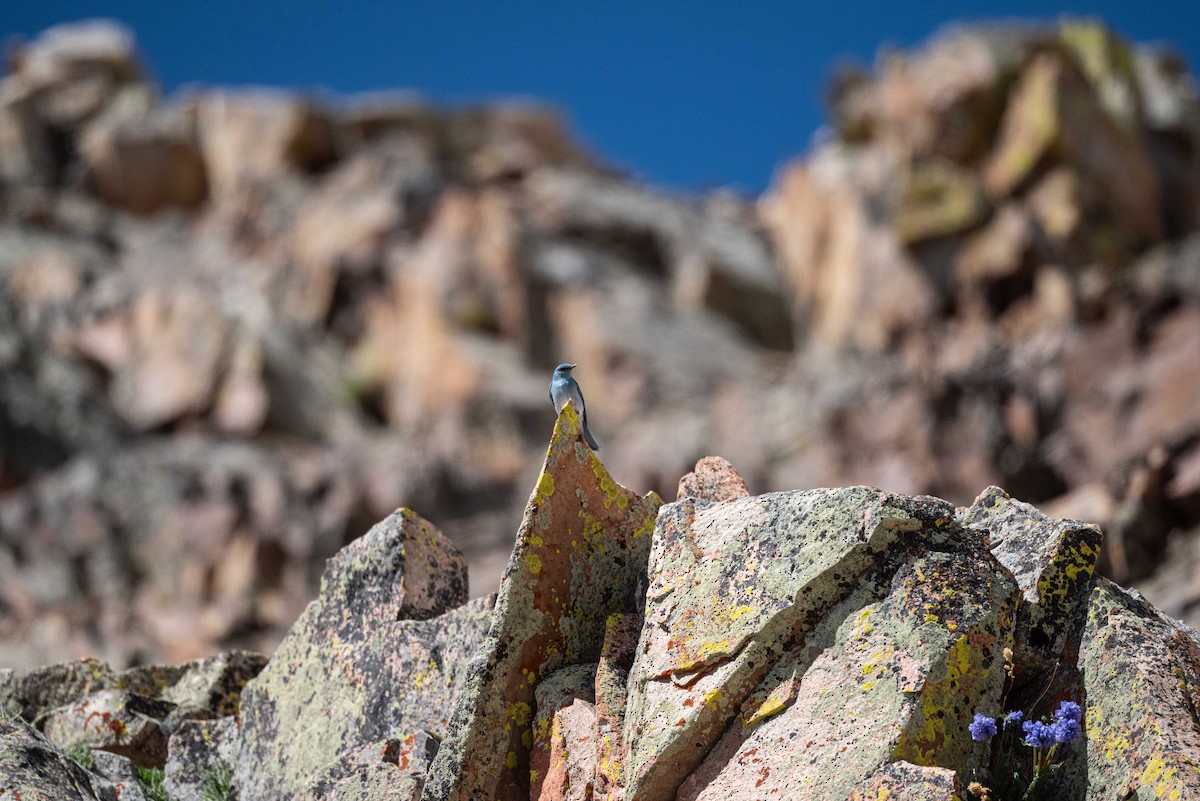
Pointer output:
938, 199
1052, 561
580, 553
751, 600
351, 670
34, 769
1141, 680
389, 770
198, 752
888, 667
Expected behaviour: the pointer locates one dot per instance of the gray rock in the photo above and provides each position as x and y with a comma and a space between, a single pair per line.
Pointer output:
199, 754
389, 770
34, 769
206, 688
355, 667
1052, 561
773, 614
1140, 674
113, 720
122, 773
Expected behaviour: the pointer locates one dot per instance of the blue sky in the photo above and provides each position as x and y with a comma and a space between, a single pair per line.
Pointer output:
685, 94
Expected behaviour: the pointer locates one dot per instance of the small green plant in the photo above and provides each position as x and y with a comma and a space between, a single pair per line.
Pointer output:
151, 780
218, 784
82, 754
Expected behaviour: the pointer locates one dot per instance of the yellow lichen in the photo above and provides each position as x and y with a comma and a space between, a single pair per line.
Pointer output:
519, 712
923, 745
545, 488
612, 489
769, 708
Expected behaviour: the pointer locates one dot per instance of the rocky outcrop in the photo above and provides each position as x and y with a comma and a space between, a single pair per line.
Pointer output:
580, 554
383, 650
216, 537
804, 644
823, 644
131, 712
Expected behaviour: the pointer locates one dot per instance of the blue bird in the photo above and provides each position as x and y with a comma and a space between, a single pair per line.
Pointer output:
564, 388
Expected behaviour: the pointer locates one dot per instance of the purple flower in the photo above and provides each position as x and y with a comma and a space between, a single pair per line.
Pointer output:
984, 728
1066, 730
1069, 710
1038, 734
1013, 718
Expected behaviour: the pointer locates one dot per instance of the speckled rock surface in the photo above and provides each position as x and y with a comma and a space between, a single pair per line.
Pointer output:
353, 670
1052, 561
34, 769
205, 688
562, 763
612, 681
196, 753
580, 553
713, 479
121, 772
389, 770
795, 643
129, 712
111, 720
904, 781
1141, 678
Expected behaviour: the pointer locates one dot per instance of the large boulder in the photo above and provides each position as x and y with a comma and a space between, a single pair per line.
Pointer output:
382, 652
796, 643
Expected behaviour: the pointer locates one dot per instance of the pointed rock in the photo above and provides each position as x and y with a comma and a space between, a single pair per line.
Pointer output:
1052, 561
353, 670
579, 555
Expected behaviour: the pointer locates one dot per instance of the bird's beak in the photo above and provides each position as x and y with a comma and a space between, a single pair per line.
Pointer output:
572, 366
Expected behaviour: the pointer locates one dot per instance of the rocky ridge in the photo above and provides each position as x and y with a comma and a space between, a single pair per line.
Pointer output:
823, 644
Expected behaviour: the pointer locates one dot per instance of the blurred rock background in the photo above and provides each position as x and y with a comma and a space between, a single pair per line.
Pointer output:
238, 328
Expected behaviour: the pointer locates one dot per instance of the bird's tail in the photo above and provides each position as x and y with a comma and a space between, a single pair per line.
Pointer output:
591, 441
